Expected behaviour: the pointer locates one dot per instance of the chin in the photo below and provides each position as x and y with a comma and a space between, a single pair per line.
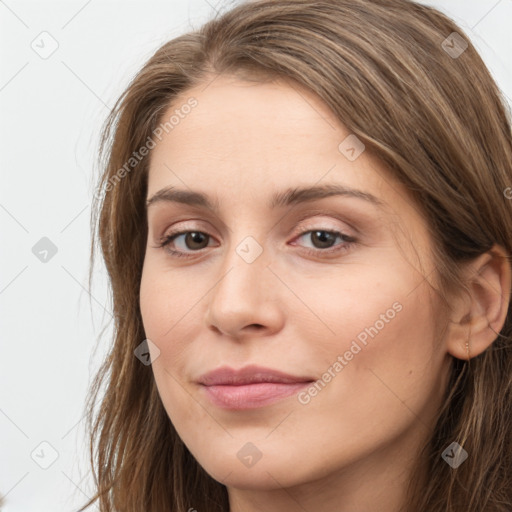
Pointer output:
270, 472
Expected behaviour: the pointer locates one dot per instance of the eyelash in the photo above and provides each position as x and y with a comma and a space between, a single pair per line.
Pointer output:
349, 243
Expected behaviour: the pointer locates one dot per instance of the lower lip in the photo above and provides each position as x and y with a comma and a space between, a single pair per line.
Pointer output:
251, 396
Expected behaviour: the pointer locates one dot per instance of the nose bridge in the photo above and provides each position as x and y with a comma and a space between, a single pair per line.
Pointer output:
248, 234
244, 265
240, 297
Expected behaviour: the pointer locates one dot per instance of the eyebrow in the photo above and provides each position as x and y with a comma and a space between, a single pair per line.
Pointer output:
281, 199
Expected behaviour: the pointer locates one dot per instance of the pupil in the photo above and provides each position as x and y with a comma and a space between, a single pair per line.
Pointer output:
196, 238
323, 235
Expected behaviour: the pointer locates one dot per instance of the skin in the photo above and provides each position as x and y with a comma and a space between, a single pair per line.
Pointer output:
352, 446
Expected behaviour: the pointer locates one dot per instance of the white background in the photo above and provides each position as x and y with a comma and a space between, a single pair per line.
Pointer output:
51, 113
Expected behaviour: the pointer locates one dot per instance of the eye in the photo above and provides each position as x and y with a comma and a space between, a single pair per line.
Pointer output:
323, 240
194, 241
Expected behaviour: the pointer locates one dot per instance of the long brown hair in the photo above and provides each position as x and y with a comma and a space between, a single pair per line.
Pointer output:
388, 71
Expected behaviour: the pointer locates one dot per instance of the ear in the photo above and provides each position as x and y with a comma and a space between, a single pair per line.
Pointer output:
478, 316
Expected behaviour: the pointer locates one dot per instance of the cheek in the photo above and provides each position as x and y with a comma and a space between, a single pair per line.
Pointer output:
405, 348
391, 364
159, 318
167, 305
372, 317
167, 310
382, 348
384, 386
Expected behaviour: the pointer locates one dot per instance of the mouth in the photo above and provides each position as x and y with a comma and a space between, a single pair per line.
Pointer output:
251, 396
250, 387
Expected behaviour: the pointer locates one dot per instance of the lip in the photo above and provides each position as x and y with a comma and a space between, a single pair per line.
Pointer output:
250, 387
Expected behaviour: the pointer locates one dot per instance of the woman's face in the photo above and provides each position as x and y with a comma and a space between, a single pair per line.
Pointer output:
327, 288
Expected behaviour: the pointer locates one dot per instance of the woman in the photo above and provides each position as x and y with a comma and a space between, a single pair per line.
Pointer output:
304, 217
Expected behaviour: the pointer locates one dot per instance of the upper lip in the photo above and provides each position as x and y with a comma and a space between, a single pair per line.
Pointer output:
248, 375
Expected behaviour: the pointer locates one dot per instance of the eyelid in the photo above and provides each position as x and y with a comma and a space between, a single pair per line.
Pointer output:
310, 214
185, 225
316, 224
319, 225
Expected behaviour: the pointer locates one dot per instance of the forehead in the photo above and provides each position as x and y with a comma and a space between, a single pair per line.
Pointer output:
255, 136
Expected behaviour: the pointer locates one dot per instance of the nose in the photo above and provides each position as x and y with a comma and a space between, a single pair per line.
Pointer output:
245, 302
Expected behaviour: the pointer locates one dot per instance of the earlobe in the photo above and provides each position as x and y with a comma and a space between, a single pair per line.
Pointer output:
481, 313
